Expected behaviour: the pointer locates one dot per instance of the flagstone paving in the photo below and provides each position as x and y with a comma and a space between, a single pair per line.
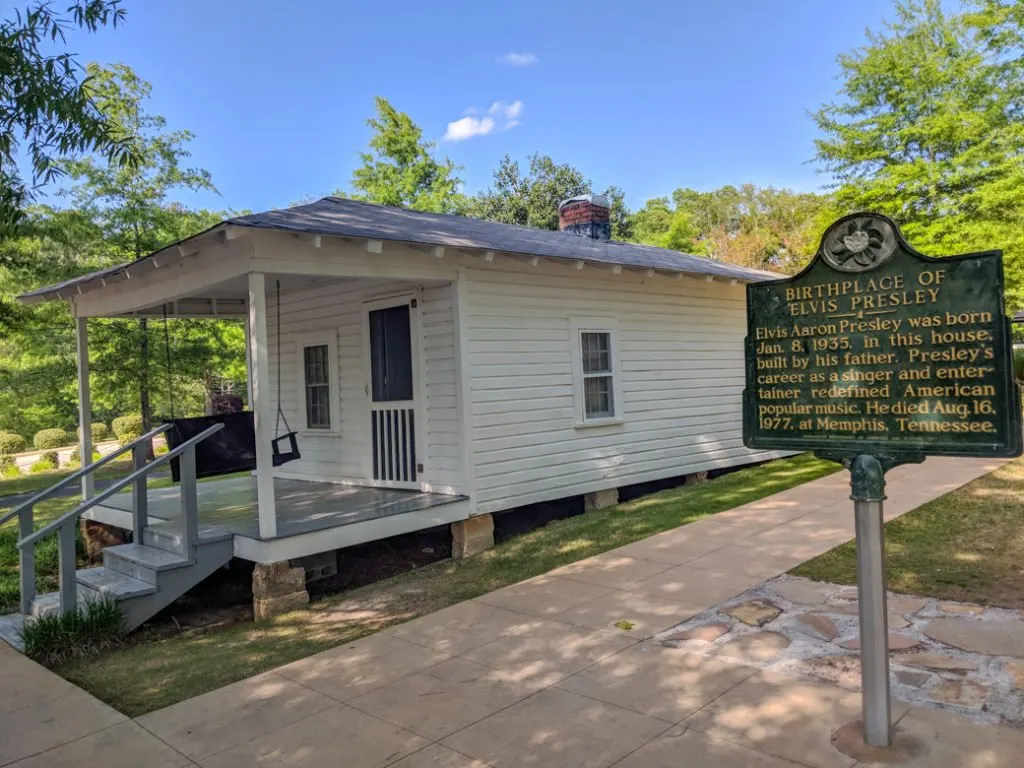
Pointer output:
559, 671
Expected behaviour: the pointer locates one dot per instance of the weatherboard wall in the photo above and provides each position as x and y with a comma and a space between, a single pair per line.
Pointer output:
332, 309
680, 348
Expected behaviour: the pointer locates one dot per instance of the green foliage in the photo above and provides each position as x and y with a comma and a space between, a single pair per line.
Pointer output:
43, 100
11, 443
400, 168
760, 227
929, 129
531, 199
9, 468
98, 430
1018, 364
75, 459
50, 438
87, 631
128, 428
45, 463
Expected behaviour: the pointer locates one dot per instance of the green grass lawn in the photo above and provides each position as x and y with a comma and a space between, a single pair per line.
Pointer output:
150, 675
42, 480
967, 545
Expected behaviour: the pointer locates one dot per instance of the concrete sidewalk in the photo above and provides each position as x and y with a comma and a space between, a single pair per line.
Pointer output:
555, 671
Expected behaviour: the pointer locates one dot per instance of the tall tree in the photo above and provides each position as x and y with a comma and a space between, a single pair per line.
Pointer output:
530, 199
400, 168
45, 103
129, 203
760, 227
930, 129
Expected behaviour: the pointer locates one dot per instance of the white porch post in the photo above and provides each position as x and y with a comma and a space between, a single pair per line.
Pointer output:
259, 378
84, 403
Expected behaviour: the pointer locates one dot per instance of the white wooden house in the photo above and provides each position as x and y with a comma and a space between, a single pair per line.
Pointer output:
454, 366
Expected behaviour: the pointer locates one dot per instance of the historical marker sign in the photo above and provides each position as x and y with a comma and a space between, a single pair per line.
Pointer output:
877, 355
876, 348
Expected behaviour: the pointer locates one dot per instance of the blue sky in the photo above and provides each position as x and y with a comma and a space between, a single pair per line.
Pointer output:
650, 96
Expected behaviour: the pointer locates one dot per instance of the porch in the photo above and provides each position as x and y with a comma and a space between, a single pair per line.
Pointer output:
312, 517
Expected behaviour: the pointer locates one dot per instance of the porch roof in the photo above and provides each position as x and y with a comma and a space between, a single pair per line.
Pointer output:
333, 216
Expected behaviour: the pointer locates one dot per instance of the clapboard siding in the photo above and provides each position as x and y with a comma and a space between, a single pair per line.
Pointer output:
335, 307
680, 359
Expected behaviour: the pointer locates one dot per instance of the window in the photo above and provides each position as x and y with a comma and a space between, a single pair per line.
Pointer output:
595, 371
598, 397
317, 368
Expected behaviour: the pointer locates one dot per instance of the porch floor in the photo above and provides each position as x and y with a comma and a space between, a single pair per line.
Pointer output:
302, 506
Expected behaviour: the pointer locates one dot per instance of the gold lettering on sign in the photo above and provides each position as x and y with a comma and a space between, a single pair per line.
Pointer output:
876, 357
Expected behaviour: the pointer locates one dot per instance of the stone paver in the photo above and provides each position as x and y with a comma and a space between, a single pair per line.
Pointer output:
550, 672
695, 586
443, 699
340, 735
637, 615
938, 662
803, 591
817, 625
660, 682
351, 670
557, 729
233, 715
896, 643
783, 717
691, 749
755, 613
550, 653
463, 627
995, 638
543, 596
610, 570
751, 649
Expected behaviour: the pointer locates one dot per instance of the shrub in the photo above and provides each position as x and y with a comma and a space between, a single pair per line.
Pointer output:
98, 430
46, 439
11, 443
75, 459
127, 428
58, 638
45, 463
10, 470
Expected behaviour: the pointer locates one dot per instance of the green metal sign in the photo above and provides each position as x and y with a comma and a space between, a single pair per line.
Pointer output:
877, 349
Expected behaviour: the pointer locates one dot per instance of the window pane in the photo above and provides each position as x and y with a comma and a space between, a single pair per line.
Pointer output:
391, 354
596, 348
316, 365
597, 397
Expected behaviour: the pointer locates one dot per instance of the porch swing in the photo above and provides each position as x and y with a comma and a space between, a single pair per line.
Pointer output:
232, 449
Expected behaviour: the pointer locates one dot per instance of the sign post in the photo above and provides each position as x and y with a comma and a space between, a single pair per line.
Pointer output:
876, 355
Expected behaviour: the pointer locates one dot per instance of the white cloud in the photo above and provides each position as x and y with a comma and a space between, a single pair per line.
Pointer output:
519, 59
501, 115
468, 127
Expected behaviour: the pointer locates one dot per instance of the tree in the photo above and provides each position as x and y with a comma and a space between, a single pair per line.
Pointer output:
45, 103
400, 169
530, 200
930, 130
760, 227
128, 203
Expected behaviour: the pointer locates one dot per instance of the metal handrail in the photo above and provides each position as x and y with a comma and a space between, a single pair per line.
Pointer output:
85, 470
116, 487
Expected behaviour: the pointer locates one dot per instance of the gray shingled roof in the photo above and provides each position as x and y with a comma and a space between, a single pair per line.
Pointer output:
352, 218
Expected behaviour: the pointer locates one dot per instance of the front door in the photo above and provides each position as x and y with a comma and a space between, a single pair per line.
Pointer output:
392, 390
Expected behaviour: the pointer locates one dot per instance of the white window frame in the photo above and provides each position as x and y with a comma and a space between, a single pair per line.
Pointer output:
577, 327
318, 339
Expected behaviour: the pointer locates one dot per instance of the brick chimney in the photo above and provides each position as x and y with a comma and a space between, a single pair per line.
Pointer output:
586, 216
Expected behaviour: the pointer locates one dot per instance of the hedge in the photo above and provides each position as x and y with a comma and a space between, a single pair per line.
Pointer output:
45, 463
127, 428
46, 439
99, 431
76, 456
11, 443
